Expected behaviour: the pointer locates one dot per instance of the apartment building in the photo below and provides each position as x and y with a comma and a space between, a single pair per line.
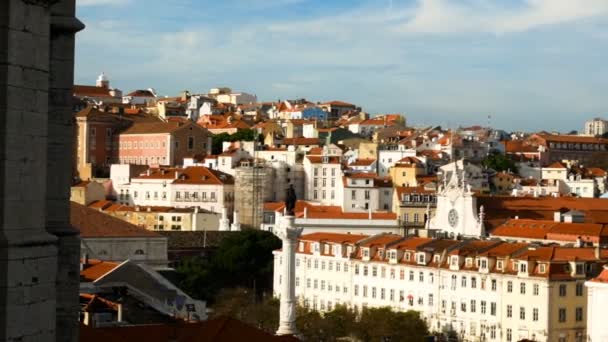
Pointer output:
195, 186
482, 290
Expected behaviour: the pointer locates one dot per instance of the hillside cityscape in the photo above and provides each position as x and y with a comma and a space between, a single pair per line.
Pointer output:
214, 215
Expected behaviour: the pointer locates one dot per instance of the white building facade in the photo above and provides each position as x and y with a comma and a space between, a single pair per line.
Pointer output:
482, 290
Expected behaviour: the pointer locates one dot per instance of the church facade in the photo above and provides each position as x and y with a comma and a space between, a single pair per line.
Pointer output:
457, 213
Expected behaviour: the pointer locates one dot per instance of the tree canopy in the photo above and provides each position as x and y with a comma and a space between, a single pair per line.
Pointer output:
499, 162
241, 135
242, 259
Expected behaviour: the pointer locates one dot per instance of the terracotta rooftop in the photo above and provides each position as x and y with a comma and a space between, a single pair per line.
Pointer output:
94, 224
91, 91
362, 162
95, 269
155, 127
190, 175
334, 237
301, 141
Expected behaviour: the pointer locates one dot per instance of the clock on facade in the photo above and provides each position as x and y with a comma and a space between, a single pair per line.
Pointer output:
453, 218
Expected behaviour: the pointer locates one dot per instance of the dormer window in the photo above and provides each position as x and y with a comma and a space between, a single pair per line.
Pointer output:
437, 258
483, 264
542, 268
523, 267
317, 247
499, 265
366, 252
421, 258
580, 268
326, 249
301, 246
469, 262
407, 256
381, 253
454, 261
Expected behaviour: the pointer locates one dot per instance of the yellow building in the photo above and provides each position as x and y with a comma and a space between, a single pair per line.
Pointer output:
87, 192
503, 181
368, 150
405, 171
413, 206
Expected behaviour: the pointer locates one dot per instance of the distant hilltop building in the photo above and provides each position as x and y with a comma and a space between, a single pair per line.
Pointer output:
596, 126
100, 93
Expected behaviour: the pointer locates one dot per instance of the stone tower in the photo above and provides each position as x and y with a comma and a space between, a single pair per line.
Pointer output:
102, 81
39, 250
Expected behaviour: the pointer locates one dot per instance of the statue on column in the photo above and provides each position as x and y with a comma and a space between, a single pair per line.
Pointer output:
290, 200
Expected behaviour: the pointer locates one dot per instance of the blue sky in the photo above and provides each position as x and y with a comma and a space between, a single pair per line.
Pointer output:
531, 64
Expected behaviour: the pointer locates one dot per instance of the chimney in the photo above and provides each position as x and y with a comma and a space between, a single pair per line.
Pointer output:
119, 312
148, 172
84, 263
597, 252
557, 216
305, 212
369, 212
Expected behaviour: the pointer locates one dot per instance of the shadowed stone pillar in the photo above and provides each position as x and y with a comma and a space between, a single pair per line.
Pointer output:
33, 291
289, 235
60, 144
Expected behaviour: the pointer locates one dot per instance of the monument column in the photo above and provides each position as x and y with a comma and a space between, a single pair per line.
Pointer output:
289, 235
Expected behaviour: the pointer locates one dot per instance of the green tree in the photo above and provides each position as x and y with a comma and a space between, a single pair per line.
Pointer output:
499, 162
379, 324
242, 259
244, 305
241, 135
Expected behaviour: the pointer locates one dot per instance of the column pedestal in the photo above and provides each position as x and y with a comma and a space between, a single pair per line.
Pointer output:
289, 234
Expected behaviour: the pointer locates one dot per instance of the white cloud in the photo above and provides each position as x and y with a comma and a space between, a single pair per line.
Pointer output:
84, 3
448, 16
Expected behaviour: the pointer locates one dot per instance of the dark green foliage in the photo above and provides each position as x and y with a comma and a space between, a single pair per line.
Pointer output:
240, 135
384, 324
499, 162
243, 259
244, 305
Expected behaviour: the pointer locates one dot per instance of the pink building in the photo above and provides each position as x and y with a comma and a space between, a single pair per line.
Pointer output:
162, 143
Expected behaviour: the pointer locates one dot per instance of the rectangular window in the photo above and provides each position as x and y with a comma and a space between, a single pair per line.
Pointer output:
562, 290
522, 313
522, 288
190, 143
509, 286
579, 289
562, 315
509, 311
509, 335
483, 307
493, 284
473, 282
579, 314
493, 309
535, 314
535, 289
473, 305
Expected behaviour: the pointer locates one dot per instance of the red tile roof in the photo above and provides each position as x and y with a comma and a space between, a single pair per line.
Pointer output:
301, 141
362, 162
91, 91
141, 93
334, 237
339, 104
94, 224
155, 127
95, 269
189, 175
319, 159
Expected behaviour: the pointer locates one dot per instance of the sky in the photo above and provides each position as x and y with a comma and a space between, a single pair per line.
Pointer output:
528, 64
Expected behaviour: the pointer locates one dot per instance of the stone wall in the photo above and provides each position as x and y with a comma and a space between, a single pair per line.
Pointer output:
38, 248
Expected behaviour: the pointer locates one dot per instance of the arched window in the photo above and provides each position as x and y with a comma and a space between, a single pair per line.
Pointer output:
139, 252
